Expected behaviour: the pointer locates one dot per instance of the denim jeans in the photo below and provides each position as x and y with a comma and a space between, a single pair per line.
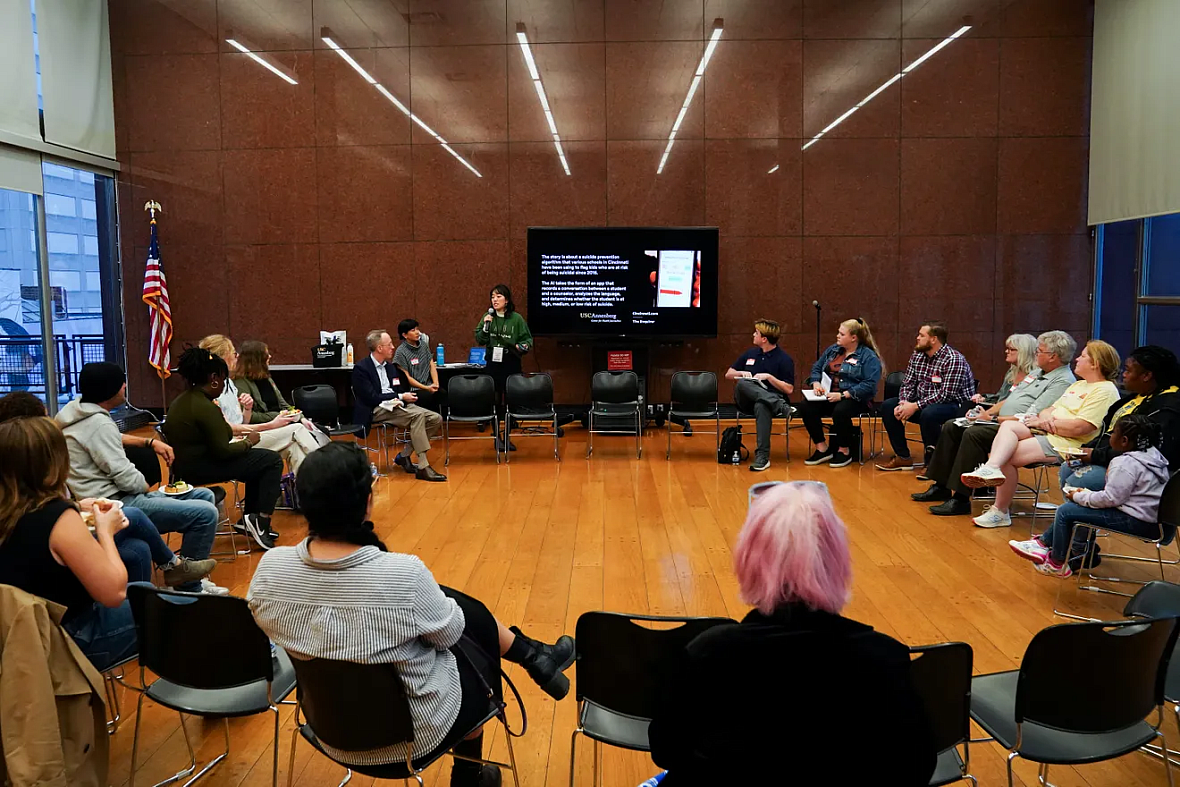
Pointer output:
765, 406
1092, 477
140, 546
1057, 536
193, 515
105, 634
930, 418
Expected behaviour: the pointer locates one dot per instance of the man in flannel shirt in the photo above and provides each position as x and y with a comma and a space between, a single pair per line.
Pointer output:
938, 384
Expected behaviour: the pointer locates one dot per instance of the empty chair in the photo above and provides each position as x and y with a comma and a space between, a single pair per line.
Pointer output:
941, 674
694, 395
619, 670
615, 395
210, 659
361, 707
1082, 694
1160, 600
472, 400
529, 399
319, 403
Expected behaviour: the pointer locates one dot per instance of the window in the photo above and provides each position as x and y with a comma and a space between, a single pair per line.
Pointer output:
1119, 247
90, 245
61, 243
68, 280
88, 209
58, 205
1163, 243
57, 171
1137, 283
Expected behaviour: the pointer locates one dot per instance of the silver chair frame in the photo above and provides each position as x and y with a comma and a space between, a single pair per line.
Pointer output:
493, 418
638, 424
740, 416
530, 431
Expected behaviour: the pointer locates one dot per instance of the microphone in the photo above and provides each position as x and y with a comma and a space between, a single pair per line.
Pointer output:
492, 312
815, 304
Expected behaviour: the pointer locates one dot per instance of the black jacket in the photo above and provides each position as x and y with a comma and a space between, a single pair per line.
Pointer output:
366, 389
779, 699
1160, 408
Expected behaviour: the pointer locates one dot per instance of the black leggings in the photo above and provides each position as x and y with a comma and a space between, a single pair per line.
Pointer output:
478, 658
841, 413
259, 469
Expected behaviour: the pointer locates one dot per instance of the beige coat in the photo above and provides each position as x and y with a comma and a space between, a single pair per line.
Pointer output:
52, 712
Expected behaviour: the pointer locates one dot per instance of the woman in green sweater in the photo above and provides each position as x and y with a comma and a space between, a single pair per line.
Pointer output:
506, 335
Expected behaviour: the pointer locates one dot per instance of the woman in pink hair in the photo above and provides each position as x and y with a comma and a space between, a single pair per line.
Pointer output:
795, 685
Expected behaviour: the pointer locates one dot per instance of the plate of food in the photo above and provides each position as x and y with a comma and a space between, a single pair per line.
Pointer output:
292, 413
1070, 451
103, 503
177, 488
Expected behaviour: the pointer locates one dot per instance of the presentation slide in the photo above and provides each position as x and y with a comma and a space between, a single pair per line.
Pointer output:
623, 281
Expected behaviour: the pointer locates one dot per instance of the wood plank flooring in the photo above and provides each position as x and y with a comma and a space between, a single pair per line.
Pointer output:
541, 542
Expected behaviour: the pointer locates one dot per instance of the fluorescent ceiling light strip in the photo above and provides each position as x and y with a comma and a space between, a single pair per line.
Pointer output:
260, 61
406, 111
348, 59
884, 87
462, 160
692, 89
523, 40
772, 169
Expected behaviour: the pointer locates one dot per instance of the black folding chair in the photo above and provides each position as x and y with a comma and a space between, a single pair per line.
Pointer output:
319, 404
528, 399
471, 400
615, 395
618, 668
941, 674
1160, 600
354, 707
694, 395
210, 659
1082, 694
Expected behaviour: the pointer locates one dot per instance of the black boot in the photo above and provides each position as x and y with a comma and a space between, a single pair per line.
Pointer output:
465, 773
544, 663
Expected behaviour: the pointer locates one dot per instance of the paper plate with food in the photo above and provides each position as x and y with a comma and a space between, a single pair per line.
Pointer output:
1069, 451
103, 504
177, 488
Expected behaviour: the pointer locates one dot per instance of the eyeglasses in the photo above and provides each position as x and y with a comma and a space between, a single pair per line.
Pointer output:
1009, 349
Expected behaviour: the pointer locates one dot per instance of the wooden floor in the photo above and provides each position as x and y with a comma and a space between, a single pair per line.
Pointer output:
541, 542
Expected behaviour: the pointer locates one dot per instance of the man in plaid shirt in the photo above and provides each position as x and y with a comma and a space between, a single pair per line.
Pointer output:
938, 383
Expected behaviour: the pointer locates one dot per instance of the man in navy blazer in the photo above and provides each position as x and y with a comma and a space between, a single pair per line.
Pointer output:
376, 380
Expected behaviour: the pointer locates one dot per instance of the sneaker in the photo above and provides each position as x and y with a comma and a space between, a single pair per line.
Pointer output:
897, 463
984, 475
210, 589
760, 463
1054, 569
1032, 550
186, 570
250, 527
993, 517
819, 457
841, 460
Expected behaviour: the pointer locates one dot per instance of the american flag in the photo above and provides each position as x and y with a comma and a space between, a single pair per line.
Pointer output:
155, 295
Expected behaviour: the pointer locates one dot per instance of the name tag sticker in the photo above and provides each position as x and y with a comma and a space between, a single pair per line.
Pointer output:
1029, 378
413, 362
749, 362
497, 354
936, 380
851, 361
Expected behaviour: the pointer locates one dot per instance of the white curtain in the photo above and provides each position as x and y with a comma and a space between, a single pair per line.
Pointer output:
18, 85
1135, 110
20, 170
75, 48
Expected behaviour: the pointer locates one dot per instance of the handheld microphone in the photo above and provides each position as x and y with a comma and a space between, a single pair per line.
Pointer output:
492, 312
815, 304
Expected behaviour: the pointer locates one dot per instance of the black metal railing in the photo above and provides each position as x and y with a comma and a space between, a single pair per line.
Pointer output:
22, 365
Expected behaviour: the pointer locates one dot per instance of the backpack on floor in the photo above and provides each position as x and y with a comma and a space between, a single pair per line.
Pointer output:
731, 446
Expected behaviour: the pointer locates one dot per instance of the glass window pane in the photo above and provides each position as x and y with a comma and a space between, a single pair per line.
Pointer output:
1163, 273
1163, 326
20, 327
90, 245
1118, 285
58, 205
63, 243
88, 211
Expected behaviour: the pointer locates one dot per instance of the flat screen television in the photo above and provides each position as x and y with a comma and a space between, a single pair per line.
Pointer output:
658, 282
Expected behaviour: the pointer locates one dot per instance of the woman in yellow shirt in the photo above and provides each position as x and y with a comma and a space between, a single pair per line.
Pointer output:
1055, 432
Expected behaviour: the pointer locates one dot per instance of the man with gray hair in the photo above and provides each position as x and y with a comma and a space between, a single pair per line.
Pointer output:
963, 448
381, 397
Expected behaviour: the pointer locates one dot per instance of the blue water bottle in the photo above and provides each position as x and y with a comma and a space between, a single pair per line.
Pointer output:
440, 356
655, 780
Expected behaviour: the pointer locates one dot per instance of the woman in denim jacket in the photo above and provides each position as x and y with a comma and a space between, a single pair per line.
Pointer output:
855, 369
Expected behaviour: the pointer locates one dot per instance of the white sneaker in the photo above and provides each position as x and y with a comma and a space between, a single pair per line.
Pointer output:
984, 475
1030, 550
993, 517
210, 589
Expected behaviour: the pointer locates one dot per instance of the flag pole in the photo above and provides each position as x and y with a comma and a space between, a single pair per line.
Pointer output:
151, 206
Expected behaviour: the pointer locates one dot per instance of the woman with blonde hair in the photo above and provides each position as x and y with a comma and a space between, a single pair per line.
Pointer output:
1044, 438
854, 367
1020, 353
794, 659
283, 433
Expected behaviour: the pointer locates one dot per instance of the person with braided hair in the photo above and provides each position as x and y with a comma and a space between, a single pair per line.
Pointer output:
1129, 502
1152, 376
206, 452
340, 594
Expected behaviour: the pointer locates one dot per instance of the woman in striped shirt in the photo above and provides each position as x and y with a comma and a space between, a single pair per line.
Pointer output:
340, 594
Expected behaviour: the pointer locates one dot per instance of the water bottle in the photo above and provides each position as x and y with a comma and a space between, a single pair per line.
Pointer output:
655, 780
737, 457
440, 356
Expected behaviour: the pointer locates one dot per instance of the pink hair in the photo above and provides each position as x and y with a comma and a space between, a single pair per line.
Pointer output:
794, 548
